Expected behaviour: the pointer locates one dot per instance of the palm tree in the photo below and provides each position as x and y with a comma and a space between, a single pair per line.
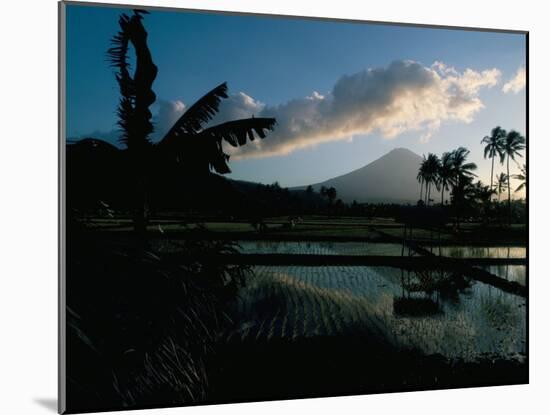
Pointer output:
513, 144
463, 174
522, 177
445, 173
482, 194
501, 183
431, 169
494, 146
421, 175
188, 142
462, 195
459, 166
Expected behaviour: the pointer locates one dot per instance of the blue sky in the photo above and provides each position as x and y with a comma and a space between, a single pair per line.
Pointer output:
275, 60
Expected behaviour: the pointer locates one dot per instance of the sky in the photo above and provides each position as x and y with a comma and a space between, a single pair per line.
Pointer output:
343, 94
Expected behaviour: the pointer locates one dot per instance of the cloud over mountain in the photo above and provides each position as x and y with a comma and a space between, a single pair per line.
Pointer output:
404, 96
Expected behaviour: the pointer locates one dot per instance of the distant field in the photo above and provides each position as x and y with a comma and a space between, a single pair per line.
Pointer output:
325, 228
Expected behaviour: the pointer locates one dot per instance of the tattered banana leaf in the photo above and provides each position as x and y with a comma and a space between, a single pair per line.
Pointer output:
197, 115
237, 132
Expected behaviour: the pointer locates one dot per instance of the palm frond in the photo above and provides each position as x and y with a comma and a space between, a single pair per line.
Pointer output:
237, 132
467, 167
202, 111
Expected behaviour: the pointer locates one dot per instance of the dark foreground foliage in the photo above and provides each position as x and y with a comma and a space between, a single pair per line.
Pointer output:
140, 330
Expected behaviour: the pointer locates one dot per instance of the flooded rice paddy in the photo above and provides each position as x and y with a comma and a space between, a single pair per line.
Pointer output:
468, 320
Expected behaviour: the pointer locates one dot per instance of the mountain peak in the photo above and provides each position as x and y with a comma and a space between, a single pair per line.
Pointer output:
402, 150
390, 178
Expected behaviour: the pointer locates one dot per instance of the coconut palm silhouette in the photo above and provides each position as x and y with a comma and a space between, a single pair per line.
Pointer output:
514, 142
445, 173
501, 182
494, 146
522, 177
428, 174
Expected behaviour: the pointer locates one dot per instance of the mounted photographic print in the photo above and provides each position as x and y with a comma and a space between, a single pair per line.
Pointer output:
259, 207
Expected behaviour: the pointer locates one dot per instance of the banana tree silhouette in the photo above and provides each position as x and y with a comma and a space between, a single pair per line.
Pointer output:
188, 142
494, 146
134, 116
200, 149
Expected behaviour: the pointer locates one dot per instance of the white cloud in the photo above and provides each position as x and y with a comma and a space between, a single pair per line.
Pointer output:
517, 83
402, 97
237, 106
167, 114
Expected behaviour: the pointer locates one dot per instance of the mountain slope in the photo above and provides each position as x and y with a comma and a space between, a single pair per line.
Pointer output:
391, 178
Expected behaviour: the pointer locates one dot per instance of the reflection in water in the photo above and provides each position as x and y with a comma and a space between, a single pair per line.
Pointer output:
517, 273
295, 301
484, 251
373, 248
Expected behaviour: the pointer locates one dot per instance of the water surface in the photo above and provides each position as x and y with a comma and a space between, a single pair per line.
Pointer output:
293, 301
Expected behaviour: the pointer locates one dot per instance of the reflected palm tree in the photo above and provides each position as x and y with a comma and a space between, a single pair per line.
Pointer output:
494, 146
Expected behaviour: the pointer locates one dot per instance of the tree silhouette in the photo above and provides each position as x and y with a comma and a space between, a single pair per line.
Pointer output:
459, 165
199, 149
461, 195
421, 174
189, 144
134, 117
430, 169
494, 146
331, 194
522, 177
445, 173
462, 179
501, 183
513, 144
482, 194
